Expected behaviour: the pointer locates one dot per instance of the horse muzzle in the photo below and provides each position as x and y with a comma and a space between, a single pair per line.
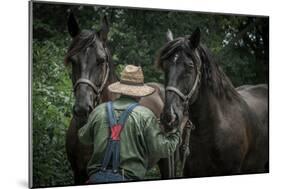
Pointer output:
169, 120
82, 111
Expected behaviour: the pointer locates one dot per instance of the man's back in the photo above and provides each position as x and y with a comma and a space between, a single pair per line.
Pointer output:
132, 143
140, 138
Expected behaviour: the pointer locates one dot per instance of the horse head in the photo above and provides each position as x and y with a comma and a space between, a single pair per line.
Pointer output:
88, 57
180, 61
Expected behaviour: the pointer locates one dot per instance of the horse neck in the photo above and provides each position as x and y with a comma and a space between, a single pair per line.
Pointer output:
205, 114
215, 97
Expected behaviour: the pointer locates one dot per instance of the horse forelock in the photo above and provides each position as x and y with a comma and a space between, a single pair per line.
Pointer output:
80, 42
167, 50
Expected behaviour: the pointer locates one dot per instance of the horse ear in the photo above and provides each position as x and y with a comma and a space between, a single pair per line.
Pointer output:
104, 29
195, 38
73, 27
169, 35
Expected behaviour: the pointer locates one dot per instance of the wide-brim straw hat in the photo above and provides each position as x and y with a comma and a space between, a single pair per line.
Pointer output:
131, 83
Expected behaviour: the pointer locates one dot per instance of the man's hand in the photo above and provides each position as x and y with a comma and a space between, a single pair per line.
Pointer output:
174, 130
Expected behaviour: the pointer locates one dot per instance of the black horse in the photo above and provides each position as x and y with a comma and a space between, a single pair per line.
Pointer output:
92, 71
87, 55
231, 125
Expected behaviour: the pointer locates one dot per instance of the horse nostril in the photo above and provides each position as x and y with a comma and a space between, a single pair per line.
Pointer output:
172, 119
166, 118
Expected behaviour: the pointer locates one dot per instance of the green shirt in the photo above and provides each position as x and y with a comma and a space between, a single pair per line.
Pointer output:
140, 141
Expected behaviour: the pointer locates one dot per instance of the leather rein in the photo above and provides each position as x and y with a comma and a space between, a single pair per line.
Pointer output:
186, 125
97, 90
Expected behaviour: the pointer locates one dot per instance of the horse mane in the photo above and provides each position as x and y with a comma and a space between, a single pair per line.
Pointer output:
213, 76
112, 75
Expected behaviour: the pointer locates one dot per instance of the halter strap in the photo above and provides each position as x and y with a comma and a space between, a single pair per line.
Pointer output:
85, 81
177, 91
187, 97
96, 90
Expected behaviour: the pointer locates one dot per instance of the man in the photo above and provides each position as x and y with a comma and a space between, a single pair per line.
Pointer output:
124, 134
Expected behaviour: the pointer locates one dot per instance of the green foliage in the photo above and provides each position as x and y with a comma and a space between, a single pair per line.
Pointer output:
239, 43
51, 115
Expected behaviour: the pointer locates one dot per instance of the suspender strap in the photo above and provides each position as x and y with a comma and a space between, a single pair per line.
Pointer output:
110, 113
112, 151
123, 118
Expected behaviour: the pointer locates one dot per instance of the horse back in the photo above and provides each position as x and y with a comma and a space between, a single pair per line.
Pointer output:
256, 96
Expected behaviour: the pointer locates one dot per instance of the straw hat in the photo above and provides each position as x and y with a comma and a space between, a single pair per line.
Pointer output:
131, 83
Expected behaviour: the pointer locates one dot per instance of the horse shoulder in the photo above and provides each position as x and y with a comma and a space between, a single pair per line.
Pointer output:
231, 122
256, 97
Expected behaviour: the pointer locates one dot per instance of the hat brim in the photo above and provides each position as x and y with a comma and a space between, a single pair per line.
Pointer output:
131, 90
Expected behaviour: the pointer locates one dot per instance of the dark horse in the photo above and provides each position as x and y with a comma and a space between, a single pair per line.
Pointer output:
231, 125
92, 71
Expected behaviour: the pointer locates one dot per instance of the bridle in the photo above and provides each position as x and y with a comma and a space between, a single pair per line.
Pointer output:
186, 125
183, 97
97, 90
